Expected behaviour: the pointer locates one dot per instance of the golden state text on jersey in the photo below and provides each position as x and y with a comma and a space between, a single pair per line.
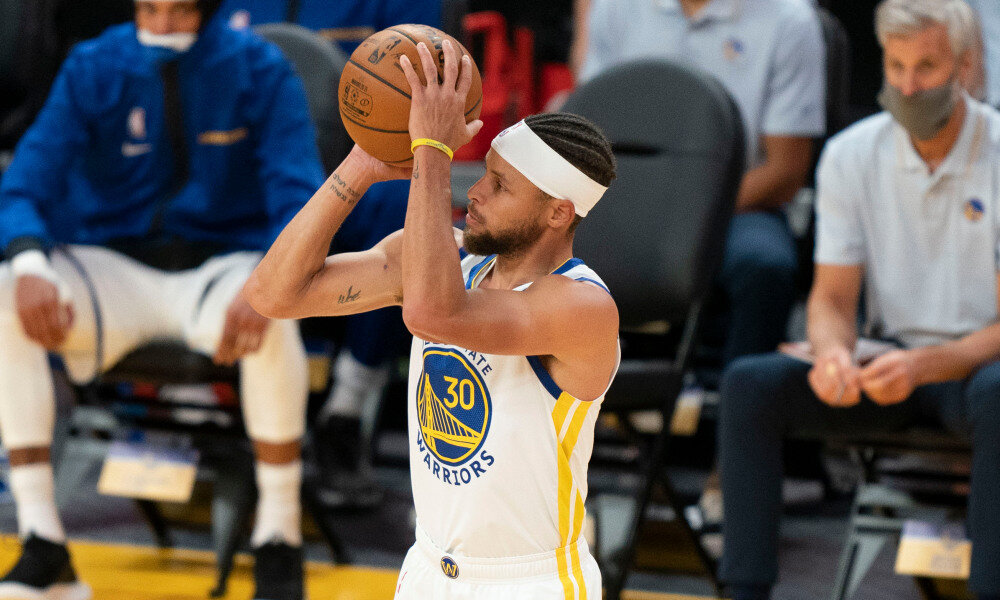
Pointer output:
454, 411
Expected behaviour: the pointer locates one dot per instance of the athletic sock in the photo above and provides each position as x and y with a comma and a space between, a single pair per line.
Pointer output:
279, 510
355, 384
34, 490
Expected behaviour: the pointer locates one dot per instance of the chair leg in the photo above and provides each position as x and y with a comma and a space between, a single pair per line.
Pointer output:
859, 554
232, 501
706, 561
926, 587
616, 582
151, 513
338, 553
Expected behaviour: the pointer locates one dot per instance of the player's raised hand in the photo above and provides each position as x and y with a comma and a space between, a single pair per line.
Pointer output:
437, 108
374, 169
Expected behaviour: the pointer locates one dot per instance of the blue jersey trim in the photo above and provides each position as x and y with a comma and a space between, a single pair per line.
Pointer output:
544, 377
595, 282
462, 254
476, 269
566, 266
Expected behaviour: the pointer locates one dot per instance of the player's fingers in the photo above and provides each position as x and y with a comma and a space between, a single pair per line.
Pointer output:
225, 350
55, 332
473, 128
34, 327
410, 74
821, 385
465, 78
450, 65
428, 64
877, 368
851, 396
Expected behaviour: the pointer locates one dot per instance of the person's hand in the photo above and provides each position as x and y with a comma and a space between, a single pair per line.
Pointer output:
43, 316
375, 169
834, 378
890, 378
242, 333
437, 110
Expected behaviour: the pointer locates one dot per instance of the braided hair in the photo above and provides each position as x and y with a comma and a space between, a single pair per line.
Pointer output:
578, 141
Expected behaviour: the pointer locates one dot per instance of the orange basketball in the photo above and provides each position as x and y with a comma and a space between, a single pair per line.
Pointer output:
375, 96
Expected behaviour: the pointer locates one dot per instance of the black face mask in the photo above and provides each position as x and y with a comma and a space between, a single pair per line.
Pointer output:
924, 113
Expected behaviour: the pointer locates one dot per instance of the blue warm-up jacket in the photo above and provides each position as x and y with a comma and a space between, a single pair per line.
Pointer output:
347, 22
97, 163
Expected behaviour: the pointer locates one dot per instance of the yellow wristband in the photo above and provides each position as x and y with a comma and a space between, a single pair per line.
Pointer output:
432, 144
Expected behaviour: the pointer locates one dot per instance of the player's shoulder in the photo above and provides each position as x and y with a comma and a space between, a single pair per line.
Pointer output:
115, 47
992, 119
787, 11
574, 284
860, 141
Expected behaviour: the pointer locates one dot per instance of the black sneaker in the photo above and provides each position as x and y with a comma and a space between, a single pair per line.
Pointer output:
43, 572
277, 572
347, 480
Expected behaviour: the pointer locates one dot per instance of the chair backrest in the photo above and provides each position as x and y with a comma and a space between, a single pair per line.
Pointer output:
838, 72
657, 237
319, 64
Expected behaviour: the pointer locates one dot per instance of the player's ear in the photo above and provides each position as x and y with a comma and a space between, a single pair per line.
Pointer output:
563, 213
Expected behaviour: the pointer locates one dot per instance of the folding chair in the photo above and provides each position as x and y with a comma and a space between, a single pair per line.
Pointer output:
657, 238
914, 474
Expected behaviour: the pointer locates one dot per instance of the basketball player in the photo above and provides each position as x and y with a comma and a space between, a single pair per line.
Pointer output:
514, 345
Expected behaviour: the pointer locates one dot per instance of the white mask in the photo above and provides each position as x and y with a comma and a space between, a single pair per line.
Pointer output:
179, 42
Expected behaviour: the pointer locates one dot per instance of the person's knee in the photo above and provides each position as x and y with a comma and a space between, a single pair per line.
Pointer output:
751, 387
756, 271
983, 391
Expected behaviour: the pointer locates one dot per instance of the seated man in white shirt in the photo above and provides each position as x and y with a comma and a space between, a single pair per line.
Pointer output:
908, 205
769, 56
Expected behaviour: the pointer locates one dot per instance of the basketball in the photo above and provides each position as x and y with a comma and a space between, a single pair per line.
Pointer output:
374, 95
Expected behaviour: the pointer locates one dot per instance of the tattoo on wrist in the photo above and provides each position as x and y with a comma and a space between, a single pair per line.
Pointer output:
343, 190
348, 296
416, 170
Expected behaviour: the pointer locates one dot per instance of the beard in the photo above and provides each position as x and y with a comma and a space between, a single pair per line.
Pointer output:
508, 242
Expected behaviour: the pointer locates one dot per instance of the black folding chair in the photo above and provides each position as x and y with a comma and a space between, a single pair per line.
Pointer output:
658, 236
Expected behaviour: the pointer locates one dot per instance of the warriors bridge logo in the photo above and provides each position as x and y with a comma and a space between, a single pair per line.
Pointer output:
453, 406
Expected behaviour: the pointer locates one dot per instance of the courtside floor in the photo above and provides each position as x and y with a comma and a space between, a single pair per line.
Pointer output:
125, 572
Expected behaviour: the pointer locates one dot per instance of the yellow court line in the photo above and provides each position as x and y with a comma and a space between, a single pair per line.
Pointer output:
126, 572
130, 572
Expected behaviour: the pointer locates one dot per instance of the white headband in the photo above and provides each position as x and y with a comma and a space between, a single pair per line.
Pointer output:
544, 167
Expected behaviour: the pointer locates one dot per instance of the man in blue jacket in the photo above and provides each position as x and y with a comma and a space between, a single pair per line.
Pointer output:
170, 153
370, 340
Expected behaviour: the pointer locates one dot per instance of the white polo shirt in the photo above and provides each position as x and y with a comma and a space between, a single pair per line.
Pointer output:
769, 55
929, 243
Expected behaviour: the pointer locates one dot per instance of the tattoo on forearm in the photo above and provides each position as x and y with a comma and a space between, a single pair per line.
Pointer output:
349, 297
343, 190
416, 170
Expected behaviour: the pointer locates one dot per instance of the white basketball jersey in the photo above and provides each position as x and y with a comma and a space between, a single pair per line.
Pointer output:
498, 453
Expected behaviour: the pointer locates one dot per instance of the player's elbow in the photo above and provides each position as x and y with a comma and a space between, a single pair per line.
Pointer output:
265, 300
415, 317
423, 320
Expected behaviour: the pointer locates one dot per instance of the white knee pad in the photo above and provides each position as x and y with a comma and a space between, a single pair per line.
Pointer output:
27, 401
275, 385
